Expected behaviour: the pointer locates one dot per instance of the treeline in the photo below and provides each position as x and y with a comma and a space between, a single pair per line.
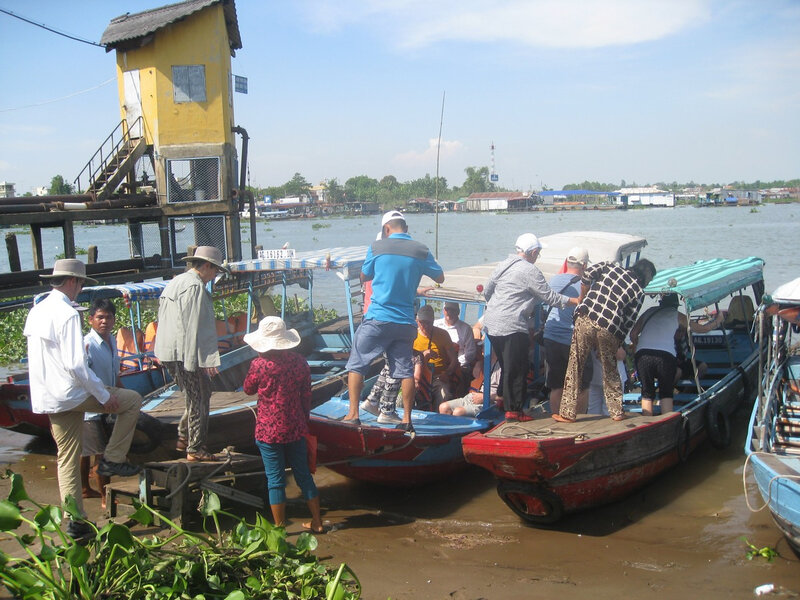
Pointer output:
677, 187
387, 191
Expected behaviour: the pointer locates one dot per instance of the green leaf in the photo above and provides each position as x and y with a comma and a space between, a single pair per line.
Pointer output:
236, 595
213, 582
121, 536
48, 518
47, 554
77, 555
306, 542
142, 515
72, 508
9, 516
210, 504
17, 491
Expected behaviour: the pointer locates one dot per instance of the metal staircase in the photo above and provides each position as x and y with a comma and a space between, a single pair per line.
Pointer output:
113, 161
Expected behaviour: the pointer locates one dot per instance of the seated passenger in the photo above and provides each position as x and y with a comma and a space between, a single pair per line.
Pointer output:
472, 403
461, 335
434, 349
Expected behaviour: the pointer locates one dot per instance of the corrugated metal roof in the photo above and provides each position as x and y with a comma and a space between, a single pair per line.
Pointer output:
129, 27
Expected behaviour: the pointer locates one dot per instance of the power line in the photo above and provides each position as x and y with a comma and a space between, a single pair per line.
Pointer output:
50, 29
2, 110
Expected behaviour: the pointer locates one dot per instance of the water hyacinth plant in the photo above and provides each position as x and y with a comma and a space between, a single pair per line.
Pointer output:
249, 561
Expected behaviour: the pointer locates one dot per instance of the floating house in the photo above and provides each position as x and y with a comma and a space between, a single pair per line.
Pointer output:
645, 196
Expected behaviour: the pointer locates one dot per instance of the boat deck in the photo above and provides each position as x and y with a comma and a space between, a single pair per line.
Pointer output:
586, 427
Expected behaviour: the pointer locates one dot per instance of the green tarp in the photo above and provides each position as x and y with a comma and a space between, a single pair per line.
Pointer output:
707, 281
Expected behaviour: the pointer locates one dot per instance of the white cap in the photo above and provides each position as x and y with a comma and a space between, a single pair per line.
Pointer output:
578, 254
390, 216
527, 242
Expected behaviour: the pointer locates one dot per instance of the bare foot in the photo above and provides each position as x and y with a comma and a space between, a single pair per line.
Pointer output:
318, 530
560, 419
619, 417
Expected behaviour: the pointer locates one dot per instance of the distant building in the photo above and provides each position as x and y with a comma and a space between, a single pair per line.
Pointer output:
485, 201
645, 196
7, 190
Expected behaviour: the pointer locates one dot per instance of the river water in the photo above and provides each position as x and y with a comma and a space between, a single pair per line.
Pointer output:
680, 537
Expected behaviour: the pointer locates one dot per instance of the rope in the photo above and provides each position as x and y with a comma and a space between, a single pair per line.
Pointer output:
769, 487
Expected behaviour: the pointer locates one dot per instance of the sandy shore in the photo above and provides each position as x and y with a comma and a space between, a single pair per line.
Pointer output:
678, 538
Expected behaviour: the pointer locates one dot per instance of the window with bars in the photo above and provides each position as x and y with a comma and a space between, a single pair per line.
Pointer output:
193, 180
189, 83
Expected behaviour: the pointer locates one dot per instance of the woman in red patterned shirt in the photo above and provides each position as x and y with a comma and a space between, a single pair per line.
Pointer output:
282, 380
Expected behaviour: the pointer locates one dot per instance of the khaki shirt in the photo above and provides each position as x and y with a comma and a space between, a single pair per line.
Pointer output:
186, 328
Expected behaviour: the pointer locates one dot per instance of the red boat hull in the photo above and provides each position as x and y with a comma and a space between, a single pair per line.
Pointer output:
542, 479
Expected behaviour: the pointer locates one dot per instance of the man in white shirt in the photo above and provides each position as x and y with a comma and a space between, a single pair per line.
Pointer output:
64, 388
462, 335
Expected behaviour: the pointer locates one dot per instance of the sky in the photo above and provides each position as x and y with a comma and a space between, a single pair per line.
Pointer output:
639, 91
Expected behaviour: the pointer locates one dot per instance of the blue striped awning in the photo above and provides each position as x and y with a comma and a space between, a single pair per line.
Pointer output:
707, 281
348, 258
130, 292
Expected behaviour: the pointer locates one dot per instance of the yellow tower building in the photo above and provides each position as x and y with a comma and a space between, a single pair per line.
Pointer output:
176, 104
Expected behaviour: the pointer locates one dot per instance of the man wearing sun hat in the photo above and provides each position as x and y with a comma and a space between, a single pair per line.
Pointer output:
395, 264
512, 292
186, 344
65, 388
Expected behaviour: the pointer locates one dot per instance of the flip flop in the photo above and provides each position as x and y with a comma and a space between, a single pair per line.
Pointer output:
355, 421
202, 455
321, 531
560, 419
91, 493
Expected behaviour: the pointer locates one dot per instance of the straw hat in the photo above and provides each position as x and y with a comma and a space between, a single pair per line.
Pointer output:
272, 335
210, 254
69, 267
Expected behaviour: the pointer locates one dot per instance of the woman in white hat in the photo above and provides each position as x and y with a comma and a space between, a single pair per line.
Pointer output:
282, 380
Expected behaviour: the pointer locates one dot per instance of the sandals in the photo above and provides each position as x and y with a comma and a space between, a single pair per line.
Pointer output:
321, 531
202, 455
560, 419
181, 444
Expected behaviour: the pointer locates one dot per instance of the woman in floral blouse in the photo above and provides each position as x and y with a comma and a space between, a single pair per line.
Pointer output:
282, 380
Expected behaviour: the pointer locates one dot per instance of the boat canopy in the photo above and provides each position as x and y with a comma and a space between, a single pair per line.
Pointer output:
707, 281
130, 292
788, 293
347, 259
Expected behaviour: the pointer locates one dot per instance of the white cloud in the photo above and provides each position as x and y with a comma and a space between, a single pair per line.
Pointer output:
536, 23
426, 159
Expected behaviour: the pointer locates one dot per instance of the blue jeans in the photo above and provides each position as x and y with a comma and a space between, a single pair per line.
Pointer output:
275, 457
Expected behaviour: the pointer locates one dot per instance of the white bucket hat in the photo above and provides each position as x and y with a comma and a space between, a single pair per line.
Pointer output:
272, 335
69, 267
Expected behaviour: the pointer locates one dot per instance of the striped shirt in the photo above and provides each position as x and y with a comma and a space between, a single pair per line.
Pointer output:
613, 300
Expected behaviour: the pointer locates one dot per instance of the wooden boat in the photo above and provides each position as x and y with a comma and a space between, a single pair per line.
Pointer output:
379, 453
232, 418
232, 413
546, 469
773, 438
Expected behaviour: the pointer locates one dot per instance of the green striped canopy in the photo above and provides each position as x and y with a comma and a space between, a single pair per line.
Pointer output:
707, 281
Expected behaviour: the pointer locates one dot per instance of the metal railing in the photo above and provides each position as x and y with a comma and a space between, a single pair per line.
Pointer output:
107, 151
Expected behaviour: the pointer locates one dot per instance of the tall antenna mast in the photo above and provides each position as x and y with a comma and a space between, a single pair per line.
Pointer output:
436, 199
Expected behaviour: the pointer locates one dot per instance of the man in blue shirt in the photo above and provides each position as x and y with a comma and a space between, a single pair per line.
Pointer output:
101, 349
395, 264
